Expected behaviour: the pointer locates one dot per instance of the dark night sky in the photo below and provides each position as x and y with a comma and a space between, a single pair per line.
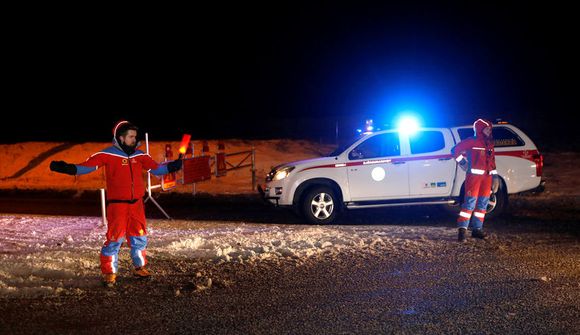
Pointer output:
293, 70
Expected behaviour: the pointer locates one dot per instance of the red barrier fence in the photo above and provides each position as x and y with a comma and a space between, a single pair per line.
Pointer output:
196, 169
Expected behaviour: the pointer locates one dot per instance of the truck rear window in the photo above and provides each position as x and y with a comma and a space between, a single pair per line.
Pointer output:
502, 136
426, 141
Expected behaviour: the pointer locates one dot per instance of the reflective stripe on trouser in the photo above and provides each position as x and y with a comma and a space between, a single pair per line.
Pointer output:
109, 256
125, 220
477, 191
138, 253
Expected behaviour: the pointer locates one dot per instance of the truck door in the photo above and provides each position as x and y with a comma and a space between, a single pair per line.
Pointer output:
431, 165
374, 172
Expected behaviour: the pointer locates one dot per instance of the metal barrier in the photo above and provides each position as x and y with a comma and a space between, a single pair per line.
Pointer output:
195, 169
222, 166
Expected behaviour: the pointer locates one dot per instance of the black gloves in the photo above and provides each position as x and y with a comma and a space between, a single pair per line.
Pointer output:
175, 165
63, 167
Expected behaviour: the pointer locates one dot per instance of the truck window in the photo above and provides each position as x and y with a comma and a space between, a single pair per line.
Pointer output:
383, 145
426, 141
465, 133
505, 137
502, 136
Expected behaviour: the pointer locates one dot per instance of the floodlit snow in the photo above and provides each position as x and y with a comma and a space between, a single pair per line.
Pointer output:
52, 255
47, 255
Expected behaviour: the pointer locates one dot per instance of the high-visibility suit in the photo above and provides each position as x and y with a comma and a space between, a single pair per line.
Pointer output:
478, 156
125, 191
125, 212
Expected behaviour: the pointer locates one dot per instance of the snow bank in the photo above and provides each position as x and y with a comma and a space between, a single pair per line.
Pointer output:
47, 255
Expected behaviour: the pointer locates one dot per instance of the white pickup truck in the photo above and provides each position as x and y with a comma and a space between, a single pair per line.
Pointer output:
393, 168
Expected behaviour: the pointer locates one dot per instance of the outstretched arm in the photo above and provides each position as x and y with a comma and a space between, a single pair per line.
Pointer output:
92, 164
161, 169
63, 167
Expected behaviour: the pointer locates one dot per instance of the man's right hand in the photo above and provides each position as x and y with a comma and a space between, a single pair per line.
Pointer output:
63, 167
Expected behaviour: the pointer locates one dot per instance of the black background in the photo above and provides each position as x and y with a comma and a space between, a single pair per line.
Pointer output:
291, 69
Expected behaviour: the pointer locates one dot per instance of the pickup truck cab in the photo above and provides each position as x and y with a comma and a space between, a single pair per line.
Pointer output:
393, 168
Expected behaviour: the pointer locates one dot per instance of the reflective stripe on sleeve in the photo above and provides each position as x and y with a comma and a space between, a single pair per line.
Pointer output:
478, 148
459, 158
493, 172
477, 171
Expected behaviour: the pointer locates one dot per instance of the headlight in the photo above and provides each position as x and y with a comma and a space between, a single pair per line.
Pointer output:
282, 173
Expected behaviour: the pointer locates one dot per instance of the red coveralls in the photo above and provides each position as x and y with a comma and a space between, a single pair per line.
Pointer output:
125, 212
480, 156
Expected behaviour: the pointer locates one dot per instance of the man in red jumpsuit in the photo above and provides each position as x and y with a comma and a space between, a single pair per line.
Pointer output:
125, 191
477, 157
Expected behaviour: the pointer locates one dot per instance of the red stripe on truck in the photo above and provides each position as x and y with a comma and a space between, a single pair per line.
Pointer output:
377, 161
531, 155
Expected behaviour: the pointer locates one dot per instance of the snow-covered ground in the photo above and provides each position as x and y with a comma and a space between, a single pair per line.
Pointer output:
51, 255
48, 255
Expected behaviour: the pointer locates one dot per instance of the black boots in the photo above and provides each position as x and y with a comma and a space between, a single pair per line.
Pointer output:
475, 233
461, 234
478, 233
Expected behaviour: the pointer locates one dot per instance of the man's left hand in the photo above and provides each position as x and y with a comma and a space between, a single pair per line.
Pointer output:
175, 165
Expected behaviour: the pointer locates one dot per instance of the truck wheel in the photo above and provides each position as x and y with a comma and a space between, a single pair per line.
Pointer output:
498, 202
320, 205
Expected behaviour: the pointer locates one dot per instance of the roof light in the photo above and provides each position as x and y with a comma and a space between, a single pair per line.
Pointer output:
408, 125
369, 127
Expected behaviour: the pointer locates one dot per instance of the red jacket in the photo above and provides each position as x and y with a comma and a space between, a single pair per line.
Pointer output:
478, 151
123, 172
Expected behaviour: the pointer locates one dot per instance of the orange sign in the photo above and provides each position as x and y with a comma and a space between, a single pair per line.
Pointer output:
168, 181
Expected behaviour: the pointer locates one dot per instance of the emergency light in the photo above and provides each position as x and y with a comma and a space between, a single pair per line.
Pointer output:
368, 128
408, 125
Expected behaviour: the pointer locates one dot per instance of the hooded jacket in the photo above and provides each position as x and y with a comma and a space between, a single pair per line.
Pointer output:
477, 150
123, 171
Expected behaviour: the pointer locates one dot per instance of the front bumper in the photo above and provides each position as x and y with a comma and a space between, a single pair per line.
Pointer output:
265, 194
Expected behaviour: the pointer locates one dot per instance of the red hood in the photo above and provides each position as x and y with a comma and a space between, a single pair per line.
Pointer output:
479, 125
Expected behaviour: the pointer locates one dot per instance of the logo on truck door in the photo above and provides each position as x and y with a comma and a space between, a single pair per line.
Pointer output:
378, 173
435, 184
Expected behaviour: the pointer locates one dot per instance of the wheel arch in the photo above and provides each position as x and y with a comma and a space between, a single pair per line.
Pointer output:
501, 189
307, 185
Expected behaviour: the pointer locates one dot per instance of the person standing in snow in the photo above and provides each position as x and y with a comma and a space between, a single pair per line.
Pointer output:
477, 157
125, 191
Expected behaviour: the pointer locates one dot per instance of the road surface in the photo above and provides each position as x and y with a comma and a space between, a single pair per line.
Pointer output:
524, 279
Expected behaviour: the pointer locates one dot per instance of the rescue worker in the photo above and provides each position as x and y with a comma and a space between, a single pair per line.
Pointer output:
125, 191
477, 157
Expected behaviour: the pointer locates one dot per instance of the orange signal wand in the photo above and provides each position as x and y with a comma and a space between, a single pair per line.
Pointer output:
184, 141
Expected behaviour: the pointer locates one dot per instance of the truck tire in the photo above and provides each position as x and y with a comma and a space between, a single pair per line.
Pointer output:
320, 205
498, 203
